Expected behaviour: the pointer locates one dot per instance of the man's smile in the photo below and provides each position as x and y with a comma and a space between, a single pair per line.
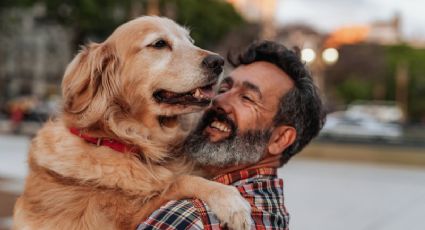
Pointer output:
217, 131
218, 126
223, 127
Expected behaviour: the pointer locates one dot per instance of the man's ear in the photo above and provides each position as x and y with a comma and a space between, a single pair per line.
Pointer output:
282, 137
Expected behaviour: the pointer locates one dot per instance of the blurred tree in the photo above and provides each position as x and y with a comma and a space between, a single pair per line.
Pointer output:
354, 88
414, 59
15, 3
208, 20
358, 74
88, 19
368, 72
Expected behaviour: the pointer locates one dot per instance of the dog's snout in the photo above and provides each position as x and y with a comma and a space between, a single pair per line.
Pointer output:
213, 62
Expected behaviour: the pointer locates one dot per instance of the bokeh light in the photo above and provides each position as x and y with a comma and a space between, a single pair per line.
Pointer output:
308, 55
330, 55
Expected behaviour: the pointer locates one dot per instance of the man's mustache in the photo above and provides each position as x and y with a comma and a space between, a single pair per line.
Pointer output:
215, 115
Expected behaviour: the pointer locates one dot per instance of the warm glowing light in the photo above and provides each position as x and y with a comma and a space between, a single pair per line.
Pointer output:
330, 55
347, 35
308, 55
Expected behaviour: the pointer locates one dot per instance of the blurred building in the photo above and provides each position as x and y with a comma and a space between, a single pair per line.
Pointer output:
384, 32
378, 32
33, 53
259, 11
318, 49
300, 35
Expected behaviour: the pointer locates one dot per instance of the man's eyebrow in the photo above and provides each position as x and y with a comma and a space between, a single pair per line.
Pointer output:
250, 86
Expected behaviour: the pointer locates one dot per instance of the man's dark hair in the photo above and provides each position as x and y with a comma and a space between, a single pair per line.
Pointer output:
301, 107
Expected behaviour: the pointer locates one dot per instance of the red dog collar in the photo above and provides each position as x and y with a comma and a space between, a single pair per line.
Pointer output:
111, 143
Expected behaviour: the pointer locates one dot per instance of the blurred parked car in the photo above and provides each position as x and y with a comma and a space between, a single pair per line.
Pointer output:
383, 111
353, 124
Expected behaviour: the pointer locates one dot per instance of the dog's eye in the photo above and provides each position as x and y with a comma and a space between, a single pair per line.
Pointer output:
160, 44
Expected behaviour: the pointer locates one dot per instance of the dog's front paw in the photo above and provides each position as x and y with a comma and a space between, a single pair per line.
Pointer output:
231, 208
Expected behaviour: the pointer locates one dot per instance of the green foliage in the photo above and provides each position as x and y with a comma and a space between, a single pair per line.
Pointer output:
364, 67
89, 18
94, 19
415, 60
209, 20
354, 88
359, 70
16, 3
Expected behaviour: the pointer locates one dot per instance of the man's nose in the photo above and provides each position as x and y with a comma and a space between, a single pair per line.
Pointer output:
222, 103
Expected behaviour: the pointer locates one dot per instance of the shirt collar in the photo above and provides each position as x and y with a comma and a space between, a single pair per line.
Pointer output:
233, 177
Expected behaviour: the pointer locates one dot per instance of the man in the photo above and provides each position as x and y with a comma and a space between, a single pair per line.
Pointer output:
265, 112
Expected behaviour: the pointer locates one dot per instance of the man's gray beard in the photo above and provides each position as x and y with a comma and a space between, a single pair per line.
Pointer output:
248, 148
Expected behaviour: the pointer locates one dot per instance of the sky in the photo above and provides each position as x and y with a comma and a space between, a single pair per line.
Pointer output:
327, 15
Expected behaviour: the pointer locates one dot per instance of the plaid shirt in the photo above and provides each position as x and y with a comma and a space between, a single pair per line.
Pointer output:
260, 187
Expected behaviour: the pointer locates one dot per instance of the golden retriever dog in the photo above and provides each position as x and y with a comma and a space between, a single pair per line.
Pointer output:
106, 162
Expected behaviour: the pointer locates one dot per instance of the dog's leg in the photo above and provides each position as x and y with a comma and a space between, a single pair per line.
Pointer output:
224, 200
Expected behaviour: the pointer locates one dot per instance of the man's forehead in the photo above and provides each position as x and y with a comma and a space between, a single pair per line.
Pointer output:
263, 74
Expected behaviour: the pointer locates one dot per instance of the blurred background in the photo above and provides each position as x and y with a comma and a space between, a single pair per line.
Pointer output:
366, 170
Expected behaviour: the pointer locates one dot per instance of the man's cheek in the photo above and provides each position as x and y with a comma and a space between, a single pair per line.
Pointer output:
246, 121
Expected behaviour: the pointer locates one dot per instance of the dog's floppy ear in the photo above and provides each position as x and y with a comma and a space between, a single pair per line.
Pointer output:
90, 80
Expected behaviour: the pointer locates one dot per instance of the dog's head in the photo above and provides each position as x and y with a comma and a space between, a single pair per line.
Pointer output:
146, 74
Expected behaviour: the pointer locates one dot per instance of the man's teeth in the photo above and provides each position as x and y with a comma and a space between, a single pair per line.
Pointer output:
198, 94
220, 126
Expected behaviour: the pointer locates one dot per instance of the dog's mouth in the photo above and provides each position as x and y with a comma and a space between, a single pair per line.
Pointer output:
200, 96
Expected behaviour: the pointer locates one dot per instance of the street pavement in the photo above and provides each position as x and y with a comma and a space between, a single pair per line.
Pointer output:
346, 196
331, 195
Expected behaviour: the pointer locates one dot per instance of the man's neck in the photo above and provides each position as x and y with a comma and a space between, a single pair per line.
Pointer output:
270, 161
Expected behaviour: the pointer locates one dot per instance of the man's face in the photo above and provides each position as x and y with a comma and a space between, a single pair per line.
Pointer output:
237, 128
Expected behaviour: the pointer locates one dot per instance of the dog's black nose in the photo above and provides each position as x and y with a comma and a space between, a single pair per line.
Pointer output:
213, 62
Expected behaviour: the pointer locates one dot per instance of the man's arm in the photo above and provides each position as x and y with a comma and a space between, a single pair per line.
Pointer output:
175, 215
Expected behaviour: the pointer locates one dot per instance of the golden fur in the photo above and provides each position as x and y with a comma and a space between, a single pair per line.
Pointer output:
107, 92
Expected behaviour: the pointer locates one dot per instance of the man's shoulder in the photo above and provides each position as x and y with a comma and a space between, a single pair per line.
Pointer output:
176, 214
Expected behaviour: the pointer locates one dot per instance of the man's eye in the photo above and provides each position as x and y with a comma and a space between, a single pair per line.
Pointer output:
160, 44
247, 98
222, 90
